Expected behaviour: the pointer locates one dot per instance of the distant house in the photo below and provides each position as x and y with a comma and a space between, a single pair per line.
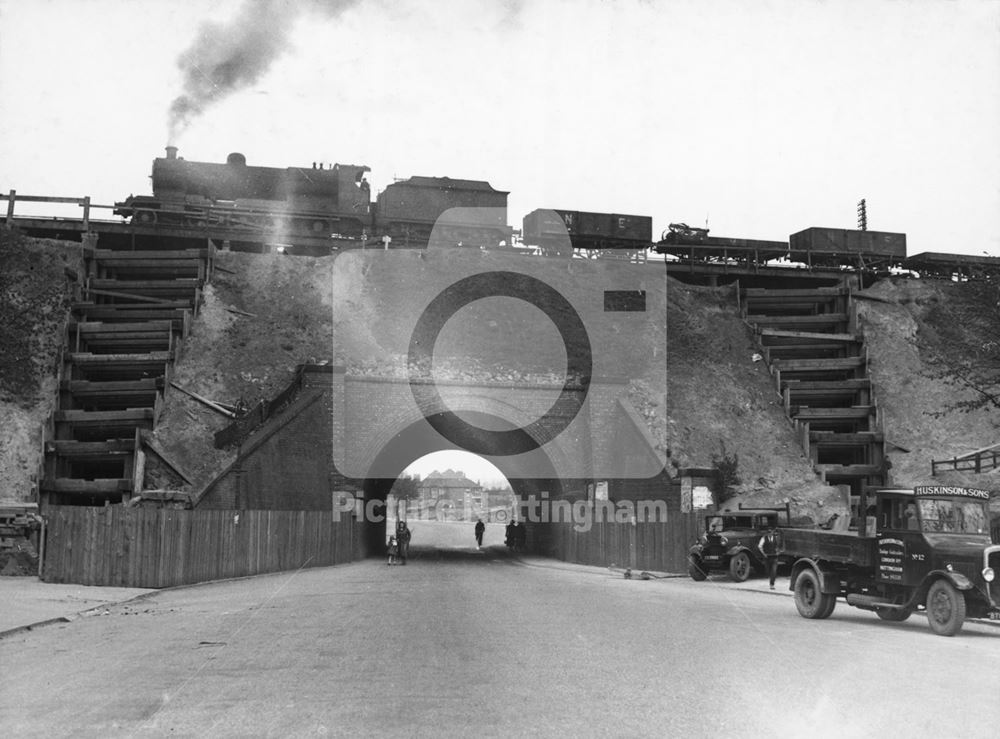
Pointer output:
452, 496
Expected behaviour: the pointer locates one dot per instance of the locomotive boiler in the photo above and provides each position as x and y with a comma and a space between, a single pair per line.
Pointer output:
235, 196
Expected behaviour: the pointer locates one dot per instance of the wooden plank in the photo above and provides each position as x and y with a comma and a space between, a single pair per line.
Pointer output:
755, 292
820, 318
125, 309
75, 485
830, 438
92, 387
138, 298
171, 285
819, 364
117, 314
194, 255
810, 413
783, 333
43, 199
89, 546
103, 327
211, 404
101, 417
89, 358
165, 553
862, 383
853, 470
76, 449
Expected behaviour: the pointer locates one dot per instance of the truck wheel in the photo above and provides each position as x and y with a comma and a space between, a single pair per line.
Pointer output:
945, 608
695, 569
809, 601
893, 614
831, 603
740, 567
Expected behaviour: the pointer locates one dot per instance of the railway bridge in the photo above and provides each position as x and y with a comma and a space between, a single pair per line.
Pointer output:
336, 435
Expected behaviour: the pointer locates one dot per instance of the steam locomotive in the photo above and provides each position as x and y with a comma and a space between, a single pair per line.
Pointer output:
332, 203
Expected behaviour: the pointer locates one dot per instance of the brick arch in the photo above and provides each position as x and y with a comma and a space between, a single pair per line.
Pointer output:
409, 444
381, 412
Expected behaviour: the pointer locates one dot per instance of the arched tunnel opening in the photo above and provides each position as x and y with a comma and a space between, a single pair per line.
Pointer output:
530, 481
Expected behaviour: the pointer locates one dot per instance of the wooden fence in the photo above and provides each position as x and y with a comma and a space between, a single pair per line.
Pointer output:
157, 548
659, 546
975, 462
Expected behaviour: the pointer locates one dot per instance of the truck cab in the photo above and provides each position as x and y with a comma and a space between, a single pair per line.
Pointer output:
921, 531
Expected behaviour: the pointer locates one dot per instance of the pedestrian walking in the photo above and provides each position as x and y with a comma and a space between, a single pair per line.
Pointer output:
393, 551
509, 535
480, 530
516, 536
403, 538
769, 545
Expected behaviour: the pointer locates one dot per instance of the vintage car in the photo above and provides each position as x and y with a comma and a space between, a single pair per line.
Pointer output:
730, 544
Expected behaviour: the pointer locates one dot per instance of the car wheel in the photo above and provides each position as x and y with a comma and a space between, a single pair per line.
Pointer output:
945, 608
810, 602
695, 568
740, 567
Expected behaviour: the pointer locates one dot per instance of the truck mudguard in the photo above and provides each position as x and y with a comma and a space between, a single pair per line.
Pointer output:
960, 581
829, 582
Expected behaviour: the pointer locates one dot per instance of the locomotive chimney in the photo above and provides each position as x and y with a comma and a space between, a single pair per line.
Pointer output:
171, 152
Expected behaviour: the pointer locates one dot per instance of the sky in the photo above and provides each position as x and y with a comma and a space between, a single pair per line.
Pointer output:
760, 118
475, 467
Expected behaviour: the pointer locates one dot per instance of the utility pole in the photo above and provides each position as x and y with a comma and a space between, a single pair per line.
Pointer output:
862, 216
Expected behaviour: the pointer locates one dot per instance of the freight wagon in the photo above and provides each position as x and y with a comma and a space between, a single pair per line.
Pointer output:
834, 247
559, 232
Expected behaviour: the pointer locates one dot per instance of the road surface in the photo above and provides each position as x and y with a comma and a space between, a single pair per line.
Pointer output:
466, 643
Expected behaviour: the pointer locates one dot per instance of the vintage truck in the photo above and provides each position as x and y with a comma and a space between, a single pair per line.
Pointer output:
730, 542
927, 549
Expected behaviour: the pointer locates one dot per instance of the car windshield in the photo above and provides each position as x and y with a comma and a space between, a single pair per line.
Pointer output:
715, 524
952, 516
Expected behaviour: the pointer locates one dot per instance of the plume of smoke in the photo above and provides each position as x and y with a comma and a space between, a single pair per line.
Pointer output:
225, 58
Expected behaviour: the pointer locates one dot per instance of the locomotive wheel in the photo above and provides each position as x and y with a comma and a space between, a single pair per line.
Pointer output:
945, 608
740, 567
